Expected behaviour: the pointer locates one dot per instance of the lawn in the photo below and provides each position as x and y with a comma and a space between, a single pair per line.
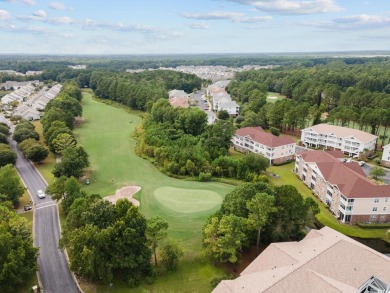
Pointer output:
106, 134
325, 217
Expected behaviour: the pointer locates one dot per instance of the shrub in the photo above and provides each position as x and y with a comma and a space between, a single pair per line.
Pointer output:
204, 177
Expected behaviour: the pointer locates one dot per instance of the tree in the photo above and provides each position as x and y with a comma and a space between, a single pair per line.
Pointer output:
275, 131
57, 188
25, 133
62, 142
3, 138
171, 252
10, 184
259, 207
4, 129
37, 153
18, 256
377, 172
156, 230
74, 160
231, 238
103, 239
7, 156
223, 115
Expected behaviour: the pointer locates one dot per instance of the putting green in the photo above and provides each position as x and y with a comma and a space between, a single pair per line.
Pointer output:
187, 200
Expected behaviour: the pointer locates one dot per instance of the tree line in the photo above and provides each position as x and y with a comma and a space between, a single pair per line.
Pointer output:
351, 95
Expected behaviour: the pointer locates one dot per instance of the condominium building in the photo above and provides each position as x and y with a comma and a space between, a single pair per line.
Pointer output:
386, 156
344, 187
324, 261
254, 139
348, 140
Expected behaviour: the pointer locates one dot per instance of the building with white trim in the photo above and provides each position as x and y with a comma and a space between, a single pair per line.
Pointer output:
344, 187
254, 139
386, 156
349, 141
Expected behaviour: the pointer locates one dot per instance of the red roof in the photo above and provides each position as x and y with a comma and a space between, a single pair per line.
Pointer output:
268, 139
348, 177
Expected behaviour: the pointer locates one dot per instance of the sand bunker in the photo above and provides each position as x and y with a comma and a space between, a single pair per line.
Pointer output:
272, 98
125, 192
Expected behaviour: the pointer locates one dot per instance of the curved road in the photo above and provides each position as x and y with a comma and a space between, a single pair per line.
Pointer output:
53, 268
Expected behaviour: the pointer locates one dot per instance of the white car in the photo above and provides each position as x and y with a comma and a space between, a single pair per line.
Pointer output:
361, 163
41, 194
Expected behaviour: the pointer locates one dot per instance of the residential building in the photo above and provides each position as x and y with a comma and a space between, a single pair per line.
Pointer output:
344, 187
254, 139
386, 156
348, 140
324, 261
178, 98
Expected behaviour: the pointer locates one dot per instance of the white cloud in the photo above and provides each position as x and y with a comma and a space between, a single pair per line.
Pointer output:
198, 25
57, 6
4, 15
361, 22
292, 6
40, 13
28, 2
226, 15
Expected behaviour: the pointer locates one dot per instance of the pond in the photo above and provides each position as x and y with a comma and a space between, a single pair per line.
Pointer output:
376, 244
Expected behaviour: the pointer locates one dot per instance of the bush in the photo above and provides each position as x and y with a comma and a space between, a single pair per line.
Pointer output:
275, 131
283, 163
373, 226
204, 177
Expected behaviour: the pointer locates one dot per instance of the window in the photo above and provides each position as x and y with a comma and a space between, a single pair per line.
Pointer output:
349, 208
376, 200
351, 199
374, 209
384, 208
373, 217
343, 198
386, 199
313, 177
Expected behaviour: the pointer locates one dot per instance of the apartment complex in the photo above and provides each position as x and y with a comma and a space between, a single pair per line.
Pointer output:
256, 140
349, 141
344, 187
386, 156
324, 261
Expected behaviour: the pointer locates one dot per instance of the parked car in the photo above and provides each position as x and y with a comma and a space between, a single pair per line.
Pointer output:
361, 163
41, 194
27, 208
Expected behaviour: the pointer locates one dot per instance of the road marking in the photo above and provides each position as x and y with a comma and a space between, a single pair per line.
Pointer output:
53, 205
44, 203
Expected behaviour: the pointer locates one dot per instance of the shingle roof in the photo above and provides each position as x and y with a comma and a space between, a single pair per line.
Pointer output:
349, 177
343, 132
179, 102
325, 261
259, 135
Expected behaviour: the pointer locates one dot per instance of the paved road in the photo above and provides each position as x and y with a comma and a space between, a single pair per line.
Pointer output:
53, 267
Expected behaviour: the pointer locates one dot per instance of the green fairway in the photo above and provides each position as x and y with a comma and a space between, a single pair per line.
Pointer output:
106, 134
187, 200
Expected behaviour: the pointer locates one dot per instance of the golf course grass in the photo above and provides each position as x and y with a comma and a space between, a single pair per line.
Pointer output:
187, 200
106, 134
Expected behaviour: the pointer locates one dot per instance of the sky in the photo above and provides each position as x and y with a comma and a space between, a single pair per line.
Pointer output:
192, 26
